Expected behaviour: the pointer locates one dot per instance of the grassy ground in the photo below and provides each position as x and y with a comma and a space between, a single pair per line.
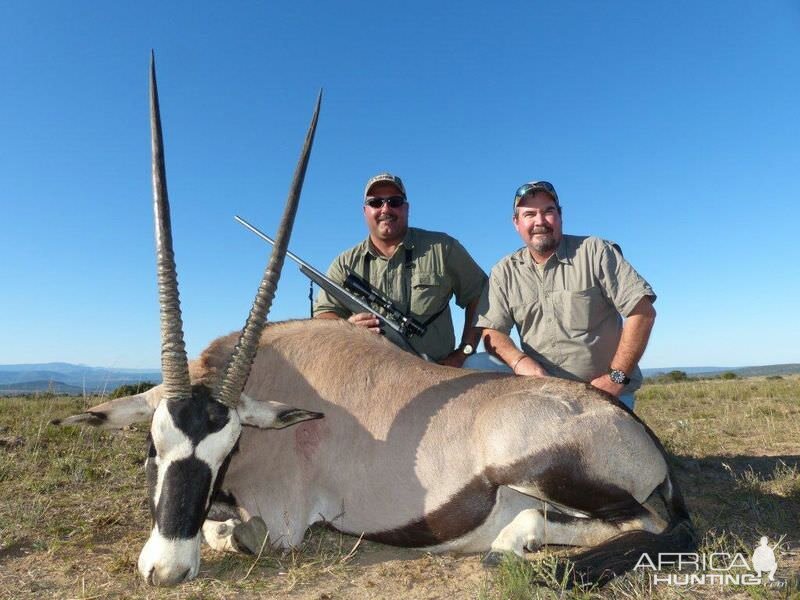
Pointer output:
73, 513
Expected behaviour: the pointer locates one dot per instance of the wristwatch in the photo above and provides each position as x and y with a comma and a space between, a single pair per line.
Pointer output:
467, 349
618, 376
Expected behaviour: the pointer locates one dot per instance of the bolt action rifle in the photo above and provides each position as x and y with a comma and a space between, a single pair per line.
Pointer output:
358, 296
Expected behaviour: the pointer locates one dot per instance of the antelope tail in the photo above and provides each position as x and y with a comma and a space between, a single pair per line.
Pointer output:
616, 556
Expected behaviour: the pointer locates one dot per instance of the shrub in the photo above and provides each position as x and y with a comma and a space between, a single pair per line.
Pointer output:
676, 376
131, 389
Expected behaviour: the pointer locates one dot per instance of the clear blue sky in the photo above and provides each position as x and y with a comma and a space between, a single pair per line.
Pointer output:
672, 128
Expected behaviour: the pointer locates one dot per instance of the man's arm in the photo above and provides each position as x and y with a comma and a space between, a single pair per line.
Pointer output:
635, 334
328, 307
502, 346
469, 335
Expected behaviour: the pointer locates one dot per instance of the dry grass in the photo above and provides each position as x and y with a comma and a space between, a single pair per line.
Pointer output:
73, 513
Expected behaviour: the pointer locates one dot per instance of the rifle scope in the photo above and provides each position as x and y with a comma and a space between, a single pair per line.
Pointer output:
408, 325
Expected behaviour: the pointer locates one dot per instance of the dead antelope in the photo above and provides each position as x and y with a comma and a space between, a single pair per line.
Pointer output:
408, 453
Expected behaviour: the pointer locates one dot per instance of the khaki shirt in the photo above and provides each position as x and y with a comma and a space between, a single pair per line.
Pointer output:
568, 312
440, 268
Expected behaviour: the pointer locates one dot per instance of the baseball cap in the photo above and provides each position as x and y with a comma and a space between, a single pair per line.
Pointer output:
385, 178
535, 186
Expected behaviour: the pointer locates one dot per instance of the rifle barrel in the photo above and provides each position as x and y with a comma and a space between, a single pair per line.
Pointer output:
269, 240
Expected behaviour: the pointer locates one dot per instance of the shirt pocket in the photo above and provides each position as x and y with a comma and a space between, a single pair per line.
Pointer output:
429, 293
583, 310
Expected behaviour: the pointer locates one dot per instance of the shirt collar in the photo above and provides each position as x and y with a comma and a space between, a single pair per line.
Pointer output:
408, 242
523, 255
562, 252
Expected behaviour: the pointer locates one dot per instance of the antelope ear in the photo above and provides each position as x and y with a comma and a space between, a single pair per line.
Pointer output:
118, 413
271, 415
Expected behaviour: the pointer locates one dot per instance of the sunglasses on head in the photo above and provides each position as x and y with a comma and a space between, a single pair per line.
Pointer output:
544, 185
392, 201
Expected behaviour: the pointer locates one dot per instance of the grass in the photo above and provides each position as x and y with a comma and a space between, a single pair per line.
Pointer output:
73, 513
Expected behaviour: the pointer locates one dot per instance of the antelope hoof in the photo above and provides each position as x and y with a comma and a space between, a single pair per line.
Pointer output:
249, 537
492, 558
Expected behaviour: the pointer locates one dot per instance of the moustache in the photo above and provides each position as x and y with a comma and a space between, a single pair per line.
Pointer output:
535, 230
386, 218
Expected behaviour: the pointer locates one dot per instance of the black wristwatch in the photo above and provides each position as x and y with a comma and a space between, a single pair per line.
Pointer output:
618, 376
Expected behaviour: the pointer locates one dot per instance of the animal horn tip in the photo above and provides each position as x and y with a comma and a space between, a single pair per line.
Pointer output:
318, 103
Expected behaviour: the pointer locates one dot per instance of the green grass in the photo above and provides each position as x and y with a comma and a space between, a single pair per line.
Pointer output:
73, 511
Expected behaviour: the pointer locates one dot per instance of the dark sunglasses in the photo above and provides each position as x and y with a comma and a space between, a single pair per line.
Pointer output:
392, 201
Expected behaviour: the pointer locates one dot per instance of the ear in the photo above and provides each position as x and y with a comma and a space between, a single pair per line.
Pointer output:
271, 415
118, 413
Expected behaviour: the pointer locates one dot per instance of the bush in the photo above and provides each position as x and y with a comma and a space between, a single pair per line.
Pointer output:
729, 375
131, 389
676, 376
671, 377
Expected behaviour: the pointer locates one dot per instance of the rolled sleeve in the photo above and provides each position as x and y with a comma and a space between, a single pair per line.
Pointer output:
622, 284
467, 277
327, 303
493, 308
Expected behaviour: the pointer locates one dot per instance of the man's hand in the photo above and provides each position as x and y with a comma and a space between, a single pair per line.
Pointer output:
604, 383
366, 320
455, 359
529, 367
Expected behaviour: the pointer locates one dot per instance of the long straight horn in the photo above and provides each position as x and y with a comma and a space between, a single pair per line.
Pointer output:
174, 365
245, 351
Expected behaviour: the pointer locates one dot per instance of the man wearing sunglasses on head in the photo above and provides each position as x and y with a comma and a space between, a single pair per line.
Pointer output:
566, 296
419, 270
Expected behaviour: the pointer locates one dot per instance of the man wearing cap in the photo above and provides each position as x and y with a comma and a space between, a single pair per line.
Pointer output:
418, 270
567, 296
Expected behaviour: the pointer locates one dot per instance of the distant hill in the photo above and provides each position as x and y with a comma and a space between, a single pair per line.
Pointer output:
71, 379
39, 386
687, 370
760, 371
66, 378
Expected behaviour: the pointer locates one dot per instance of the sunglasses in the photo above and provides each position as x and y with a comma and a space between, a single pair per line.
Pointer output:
392, 201
538, 185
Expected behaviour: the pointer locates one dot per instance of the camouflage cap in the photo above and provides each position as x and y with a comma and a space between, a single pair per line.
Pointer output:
535, 186
385, 178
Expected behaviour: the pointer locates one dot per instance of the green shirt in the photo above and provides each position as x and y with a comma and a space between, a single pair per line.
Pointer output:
440, 268
568, 313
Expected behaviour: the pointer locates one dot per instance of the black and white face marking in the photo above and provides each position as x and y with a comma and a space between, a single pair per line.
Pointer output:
190, 441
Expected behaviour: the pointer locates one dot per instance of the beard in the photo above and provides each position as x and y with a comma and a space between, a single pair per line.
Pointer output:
544, 241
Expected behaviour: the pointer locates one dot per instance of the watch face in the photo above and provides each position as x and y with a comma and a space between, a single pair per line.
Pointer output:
468, 349
617, 376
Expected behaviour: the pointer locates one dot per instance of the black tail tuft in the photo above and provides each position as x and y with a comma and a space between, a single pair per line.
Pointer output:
601, 564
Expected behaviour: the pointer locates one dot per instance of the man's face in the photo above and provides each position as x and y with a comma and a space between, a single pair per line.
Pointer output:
538, 222
386, 223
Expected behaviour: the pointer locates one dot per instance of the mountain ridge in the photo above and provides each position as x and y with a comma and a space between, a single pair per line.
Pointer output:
75, 379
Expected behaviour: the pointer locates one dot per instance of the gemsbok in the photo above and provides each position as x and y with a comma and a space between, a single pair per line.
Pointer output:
384, 444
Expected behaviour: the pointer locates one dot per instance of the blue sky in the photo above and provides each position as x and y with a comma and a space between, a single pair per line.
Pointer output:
671, 128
